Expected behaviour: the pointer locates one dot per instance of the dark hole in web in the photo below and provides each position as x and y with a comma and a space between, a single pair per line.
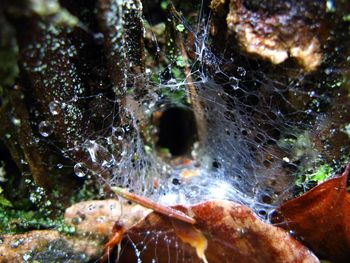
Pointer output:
252, 100
266, 199
177, 130
176, 181
262, 213
216, 164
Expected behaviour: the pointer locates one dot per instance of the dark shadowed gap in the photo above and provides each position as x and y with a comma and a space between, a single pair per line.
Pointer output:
177, 130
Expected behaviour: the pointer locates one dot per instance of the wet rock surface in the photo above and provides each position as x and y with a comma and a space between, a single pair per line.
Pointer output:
222, 228
98, 217
276, 32
47, 246
92, 222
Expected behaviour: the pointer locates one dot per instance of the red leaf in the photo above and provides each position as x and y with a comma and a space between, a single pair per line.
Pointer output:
224, 232
321, 218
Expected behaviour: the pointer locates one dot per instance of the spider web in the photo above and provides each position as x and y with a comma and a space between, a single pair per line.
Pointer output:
249, 113
247, 117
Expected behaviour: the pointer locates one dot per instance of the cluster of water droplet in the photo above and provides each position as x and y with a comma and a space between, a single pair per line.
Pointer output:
238, 158
46, 127
124, 158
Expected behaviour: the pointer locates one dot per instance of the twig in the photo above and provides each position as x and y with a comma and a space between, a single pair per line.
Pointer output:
161, 209
191, 89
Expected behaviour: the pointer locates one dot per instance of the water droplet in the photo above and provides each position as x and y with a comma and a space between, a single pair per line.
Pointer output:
100, 154
16, 122
54, 107
80, 169
45, 128
241, 232
312, 94
234, 82
108, 163
328, 71
91, 207
309, 111
109, 140
92, 149
76, 220
291, 232
119, 133
241, 71
100, 219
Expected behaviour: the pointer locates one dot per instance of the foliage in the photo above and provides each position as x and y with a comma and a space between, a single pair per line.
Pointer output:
3, 201
322, 173
222, 228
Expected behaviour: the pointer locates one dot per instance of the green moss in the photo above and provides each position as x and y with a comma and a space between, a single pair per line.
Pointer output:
164, 4
164, 152
27, 212
17, 221
64, 17
299, 146
346, 18
180, 62
8, 55
36, 211
320, 174
8, 66
180, 27
309, 173
176, 97
53, 8
44, 8
88, 191
4, 202
176, 72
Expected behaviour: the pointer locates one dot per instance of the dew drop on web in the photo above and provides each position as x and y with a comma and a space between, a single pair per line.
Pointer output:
118, 133
54, 107
80, 169
45, 128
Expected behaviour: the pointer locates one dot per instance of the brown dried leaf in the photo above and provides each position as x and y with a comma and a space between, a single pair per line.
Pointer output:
321, 218
225, 231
